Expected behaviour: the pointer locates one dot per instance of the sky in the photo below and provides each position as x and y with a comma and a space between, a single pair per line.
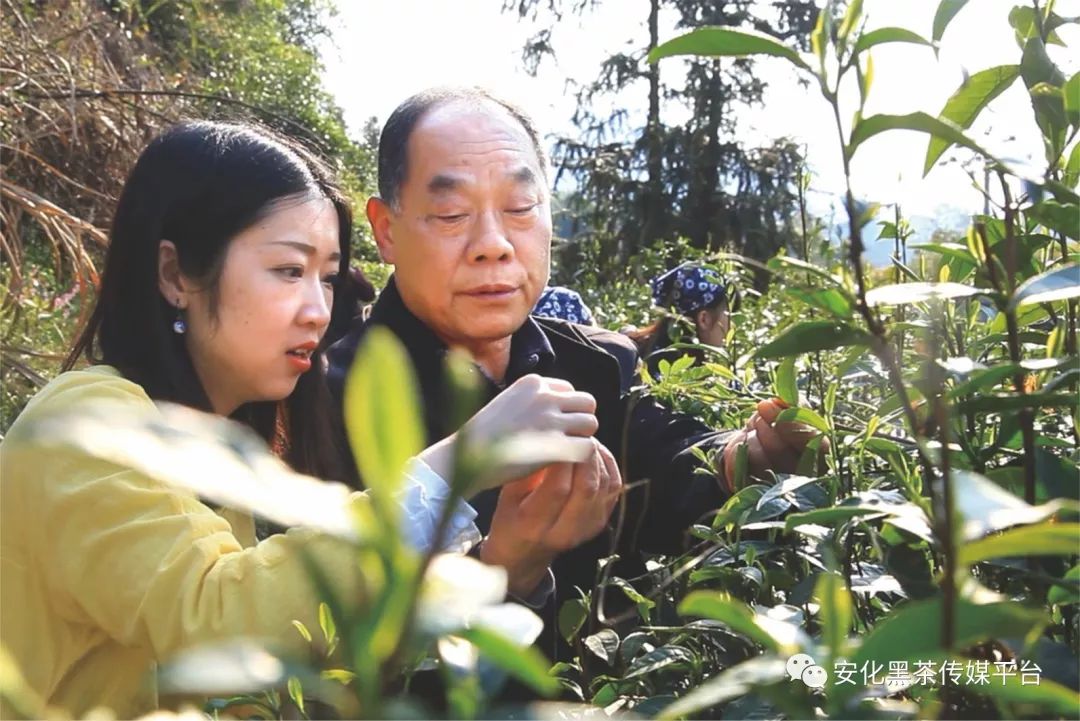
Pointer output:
384, 50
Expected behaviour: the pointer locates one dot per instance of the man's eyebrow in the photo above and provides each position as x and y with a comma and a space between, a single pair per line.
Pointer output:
524, 176
304, 248
443, 184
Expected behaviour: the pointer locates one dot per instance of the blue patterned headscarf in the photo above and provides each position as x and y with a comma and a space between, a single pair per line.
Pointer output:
687, 288
563, 303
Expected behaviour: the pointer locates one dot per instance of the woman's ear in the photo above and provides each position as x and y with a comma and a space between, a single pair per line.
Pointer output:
171, 281
702, 320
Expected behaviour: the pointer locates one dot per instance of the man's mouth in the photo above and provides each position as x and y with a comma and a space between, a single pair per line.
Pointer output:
491, 290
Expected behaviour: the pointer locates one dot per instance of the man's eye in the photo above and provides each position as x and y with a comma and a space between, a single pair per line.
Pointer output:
452, 217
523, 210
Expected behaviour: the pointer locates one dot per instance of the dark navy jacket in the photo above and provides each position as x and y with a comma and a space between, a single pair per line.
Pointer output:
647, 439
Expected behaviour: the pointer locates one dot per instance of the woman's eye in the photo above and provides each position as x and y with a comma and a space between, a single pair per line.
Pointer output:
291, 271
331, 281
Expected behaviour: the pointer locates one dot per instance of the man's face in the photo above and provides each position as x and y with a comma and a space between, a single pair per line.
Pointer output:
471, 238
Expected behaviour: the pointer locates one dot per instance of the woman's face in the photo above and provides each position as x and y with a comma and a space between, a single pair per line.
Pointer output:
273, 306
712, 325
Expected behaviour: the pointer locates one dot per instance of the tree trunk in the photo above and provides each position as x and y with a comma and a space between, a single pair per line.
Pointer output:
652, 228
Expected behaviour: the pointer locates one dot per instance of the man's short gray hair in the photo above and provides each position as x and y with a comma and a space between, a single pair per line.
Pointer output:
394, 140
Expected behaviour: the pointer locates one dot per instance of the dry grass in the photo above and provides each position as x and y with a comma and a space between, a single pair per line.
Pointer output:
79, 97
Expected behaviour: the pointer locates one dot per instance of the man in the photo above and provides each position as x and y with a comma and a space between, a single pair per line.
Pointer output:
464, 217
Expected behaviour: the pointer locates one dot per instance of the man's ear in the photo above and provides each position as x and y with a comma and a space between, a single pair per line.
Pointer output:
171, 282
380, 215
701, 318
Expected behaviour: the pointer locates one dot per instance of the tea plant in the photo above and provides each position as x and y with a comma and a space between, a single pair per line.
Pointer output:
939, 545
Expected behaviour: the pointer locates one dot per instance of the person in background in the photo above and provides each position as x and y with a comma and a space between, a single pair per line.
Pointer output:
565, 304
224, 281
691, 295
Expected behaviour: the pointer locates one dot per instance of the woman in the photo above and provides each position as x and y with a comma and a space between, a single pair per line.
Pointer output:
227, 250
691, 294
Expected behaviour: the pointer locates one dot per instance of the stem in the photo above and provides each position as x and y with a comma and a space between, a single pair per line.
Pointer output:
1025, 415
880, 346
943, 515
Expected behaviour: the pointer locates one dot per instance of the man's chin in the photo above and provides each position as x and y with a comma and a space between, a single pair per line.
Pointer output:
491, 329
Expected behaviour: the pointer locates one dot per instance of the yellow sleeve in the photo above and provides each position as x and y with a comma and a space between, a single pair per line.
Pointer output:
151, 565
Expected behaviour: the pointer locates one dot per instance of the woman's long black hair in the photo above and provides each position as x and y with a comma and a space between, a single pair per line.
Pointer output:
198, 185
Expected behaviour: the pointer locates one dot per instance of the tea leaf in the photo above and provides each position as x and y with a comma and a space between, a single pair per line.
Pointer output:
724, 41
968, 101
811, 336
888, 35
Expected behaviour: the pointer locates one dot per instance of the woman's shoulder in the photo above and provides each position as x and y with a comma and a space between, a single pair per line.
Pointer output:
92, 385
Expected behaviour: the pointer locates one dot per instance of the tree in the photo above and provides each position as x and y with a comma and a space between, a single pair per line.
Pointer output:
638, 185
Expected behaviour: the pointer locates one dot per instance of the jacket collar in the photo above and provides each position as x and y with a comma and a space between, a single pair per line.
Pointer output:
530, 349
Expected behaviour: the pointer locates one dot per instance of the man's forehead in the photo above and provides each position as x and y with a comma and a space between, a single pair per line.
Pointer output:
454, 132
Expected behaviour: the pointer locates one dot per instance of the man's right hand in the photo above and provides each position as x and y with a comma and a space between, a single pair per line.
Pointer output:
534, 404
548, 512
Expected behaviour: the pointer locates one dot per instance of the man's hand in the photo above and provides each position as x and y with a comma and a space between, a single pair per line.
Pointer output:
769, 445
531, 404
549, 512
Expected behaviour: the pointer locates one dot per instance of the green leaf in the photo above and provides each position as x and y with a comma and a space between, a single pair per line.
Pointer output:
1053, 285
524, 663
302, 630
827, 516
920, 122
985, 507
946, 11
1071, 95
1003, 402
785, 386
1065, 219
913, 631
659, 658
572, 615
968, 101
725, 41
1072, 167
786, 261
831, 300
1044, 539
604, 644
906, 293
889, 35
1044, 697
728, 684
836, 612
382, 413
327, 625
850, 20
643, 603
761, 629
296, 692
803, 415
819, 37
950, 250
1038, 69
1066, 594
811, 336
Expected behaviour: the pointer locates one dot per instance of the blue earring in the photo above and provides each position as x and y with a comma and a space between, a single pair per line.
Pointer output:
179, 326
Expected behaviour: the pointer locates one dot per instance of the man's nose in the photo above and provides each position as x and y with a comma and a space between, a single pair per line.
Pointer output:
489, 241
